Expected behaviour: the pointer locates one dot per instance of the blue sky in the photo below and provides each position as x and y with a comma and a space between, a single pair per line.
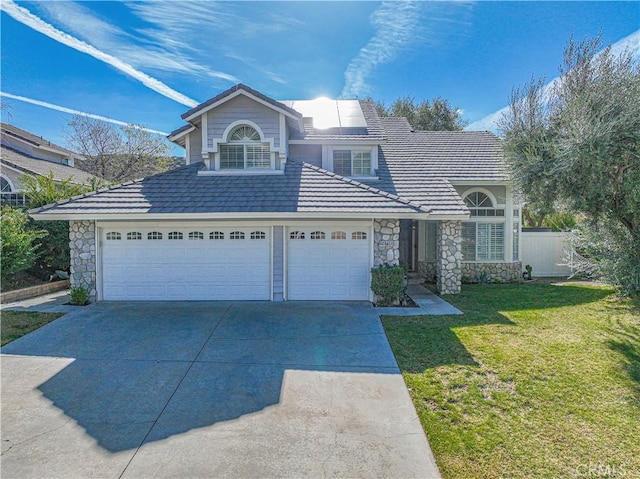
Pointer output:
147, 62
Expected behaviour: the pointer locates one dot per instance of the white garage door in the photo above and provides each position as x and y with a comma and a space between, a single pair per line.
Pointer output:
203, 263
325, 263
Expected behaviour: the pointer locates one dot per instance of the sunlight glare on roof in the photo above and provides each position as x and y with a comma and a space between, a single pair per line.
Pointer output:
325, 113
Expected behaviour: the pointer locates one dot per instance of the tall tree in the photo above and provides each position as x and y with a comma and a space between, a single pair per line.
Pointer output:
434, 115
117, 153
577, 143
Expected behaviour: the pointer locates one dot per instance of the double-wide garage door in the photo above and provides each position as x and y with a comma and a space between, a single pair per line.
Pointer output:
234, 263
186, 264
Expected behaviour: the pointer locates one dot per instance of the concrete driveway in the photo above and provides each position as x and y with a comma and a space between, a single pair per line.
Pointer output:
209, 389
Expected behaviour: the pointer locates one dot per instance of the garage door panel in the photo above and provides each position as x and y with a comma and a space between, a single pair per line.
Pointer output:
186, 269
328, 269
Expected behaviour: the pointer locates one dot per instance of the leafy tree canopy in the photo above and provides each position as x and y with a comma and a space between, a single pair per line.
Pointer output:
434, 115
577, 143
117, 153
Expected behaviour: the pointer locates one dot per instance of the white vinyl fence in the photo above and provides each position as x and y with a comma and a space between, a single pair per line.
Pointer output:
546, 252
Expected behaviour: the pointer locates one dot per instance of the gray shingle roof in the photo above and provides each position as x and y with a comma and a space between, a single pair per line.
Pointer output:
454, 155
15, 132
420, 166
302, 189
29, 164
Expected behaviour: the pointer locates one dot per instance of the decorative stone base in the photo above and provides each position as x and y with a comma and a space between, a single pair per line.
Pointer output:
477, 272
428, 271
492, 272
82, 244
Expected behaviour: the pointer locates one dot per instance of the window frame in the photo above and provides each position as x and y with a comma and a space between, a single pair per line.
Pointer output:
353, 154
484, 248
262, 157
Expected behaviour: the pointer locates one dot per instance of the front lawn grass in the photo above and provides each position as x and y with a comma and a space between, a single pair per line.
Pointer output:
18, 323
533, 381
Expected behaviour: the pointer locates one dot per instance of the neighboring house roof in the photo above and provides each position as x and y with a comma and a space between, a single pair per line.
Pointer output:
15, 132
303, 189
28, 164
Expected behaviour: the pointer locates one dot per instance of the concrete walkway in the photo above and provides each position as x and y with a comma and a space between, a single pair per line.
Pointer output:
209, 389
428, 304
48, 303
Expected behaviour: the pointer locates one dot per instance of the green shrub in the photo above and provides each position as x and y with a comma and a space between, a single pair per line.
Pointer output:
17, 242
388, 284
79, 295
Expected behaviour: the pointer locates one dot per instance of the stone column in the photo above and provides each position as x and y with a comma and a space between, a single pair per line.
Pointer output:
449, 257
82, 243
386, 242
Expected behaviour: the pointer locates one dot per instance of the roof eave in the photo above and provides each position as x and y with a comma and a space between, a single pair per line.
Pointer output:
285, 215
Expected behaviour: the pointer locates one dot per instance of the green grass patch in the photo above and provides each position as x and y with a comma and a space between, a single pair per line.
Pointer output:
16, 324
533, 381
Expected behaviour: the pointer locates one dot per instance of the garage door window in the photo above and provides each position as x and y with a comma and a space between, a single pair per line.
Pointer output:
258, 235
113, 235
134, 235
154, 235
296, 235
318, 235
216, 235
358, 235
175, 235
196, 235
236, 235
338, 235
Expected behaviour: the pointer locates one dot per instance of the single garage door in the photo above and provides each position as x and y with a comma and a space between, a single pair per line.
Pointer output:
202, 263
325, 263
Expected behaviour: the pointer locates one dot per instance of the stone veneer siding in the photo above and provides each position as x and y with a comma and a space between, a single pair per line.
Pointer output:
82, 242
449, 254
492, 272
386, 242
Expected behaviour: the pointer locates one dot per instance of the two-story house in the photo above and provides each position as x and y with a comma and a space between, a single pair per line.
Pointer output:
23, 153
296, 200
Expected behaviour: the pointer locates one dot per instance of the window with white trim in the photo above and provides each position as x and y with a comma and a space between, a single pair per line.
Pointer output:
352, 162
296, 235
317, 235
244, 150
113, 235
359, 235
175, 235
482, 241
5, 186
216, 235
338, 235
196, 235
134, 236
258, 235
154, 235
481, 205
236, 235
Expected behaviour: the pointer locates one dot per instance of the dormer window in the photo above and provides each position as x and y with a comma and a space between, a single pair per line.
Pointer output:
352, 162
244, 150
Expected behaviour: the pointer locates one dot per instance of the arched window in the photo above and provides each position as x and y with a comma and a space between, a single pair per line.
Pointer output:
244, 150
5, 186
480, 204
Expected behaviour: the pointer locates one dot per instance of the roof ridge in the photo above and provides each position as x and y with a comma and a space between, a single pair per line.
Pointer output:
364, 186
